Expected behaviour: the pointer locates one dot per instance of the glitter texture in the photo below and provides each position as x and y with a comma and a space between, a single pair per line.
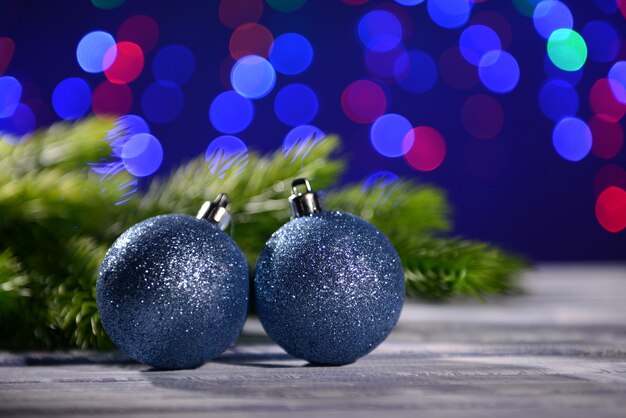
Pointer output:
329, 287
173, 291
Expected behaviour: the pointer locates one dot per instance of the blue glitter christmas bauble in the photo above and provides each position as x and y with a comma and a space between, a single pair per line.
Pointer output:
329, 287
173, 291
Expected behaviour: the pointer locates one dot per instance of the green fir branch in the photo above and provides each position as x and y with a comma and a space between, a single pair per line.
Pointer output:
257, 188
58, 218
435, 268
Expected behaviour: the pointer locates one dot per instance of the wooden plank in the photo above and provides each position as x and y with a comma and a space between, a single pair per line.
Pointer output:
557, 351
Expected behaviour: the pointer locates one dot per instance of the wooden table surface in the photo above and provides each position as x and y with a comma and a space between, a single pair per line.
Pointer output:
557, 351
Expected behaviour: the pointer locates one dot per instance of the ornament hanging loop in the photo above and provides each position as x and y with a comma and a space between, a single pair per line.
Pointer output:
303, 204
216, 212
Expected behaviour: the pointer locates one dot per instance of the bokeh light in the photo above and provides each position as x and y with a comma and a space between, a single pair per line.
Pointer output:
134, 124
611, 209
572, 139
231, 113
253, 77
111, 99
603, 42
380, 30
225, 152
617, 77
416, 72
382, 65
604, 102
126, 63
234, 13
162, 102
567, 49
391, 135
286, 6
526, 7
554, 72
125, 127
608, 137
93, 48
21, 122
382, 178
304, 137
497, 23
7, 47
363, 101
550, 15
291, 53
476, 41
482, 116
296, 104
71, 98
499, 71
558, 99
456, 71
10, 94
141, 30
142, 155
609, 175
250, 39
107, 4
427, 150
174, 63
449, 13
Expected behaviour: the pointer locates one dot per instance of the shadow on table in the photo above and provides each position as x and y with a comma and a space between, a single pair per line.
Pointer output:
69, 358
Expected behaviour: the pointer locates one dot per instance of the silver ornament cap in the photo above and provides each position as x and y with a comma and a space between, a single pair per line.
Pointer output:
303, 204
216, 212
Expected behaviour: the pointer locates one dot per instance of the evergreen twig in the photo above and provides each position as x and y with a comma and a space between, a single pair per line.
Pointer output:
58, 217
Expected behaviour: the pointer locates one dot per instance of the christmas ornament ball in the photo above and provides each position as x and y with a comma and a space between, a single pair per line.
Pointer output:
173, 291
329, 287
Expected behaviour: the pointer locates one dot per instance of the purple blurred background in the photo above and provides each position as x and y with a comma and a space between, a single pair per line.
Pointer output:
515, 108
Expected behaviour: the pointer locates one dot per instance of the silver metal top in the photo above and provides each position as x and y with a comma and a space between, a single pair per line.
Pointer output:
216, 212
303, 204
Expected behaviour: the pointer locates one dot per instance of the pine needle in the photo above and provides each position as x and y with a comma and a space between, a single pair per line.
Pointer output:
58, 217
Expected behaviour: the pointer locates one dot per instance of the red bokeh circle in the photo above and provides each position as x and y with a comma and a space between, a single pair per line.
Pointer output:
609, 175
363, 101
482, 116
127, 64
608, 137
428, 150
611, 209
7, 47
250, 39
603, 101
141, 30
234, 13
111, 99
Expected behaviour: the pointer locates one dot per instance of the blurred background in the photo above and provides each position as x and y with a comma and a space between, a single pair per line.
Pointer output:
514, 107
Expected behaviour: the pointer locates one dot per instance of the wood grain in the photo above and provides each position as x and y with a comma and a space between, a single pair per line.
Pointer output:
557, 351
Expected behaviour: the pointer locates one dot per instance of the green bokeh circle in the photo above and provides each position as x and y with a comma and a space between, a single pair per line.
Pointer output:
567, 49
286, 5
107, 4
526, 7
